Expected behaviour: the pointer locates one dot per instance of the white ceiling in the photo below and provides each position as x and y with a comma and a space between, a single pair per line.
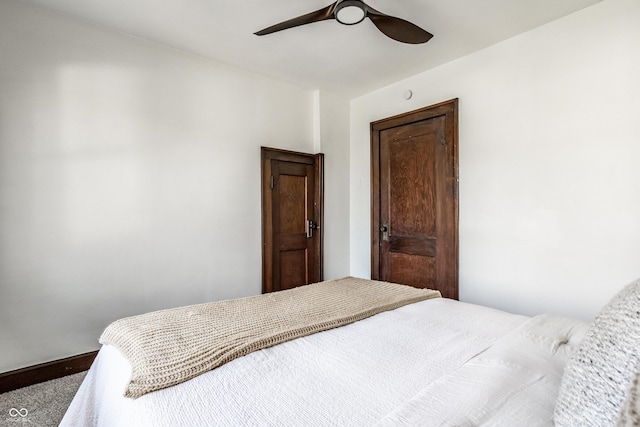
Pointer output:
346, 60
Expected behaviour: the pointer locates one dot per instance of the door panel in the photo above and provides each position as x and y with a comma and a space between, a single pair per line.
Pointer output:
414, 199
292, 199
293, 268
291, 193
414, 270
292, 196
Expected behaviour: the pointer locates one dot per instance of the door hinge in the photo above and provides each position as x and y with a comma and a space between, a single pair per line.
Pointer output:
272, 182
443, 140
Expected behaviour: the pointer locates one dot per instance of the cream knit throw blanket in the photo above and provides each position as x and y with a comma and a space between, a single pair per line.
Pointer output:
168, 347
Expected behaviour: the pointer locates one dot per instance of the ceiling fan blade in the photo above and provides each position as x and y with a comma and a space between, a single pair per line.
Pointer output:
317, 16
397, 28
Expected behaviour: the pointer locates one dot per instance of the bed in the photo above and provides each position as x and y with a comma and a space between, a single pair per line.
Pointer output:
432, 362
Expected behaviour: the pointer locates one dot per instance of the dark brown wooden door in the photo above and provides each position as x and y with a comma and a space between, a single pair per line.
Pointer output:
414, 199
291, 219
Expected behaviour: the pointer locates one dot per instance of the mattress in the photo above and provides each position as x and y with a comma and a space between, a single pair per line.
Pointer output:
435, 362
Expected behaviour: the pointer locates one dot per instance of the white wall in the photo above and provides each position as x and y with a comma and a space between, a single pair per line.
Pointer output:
549, 155
332, 137
130, 179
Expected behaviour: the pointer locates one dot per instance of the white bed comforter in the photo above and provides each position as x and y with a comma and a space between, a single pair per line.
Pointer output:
513, 383
436, 362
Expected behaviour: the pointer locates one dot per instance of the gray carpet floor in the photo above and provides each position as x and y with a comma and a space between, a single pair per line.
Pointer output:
39, 405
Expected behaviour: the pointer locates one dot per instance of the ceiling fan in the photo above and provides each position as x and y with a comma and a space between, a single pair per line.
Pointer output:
351, 12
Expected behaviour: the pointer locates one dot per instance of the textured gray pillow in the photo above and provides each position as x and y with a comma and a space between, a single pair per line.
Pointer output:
630, 414
599, 374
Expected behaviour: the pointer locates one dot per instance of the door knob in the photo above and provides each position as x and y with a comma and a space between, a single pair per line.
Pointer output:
385, 232
310, 227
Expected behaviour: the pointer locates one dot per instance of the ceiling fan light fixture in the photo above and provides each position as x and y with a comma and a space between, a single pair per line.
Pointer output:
350, 12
